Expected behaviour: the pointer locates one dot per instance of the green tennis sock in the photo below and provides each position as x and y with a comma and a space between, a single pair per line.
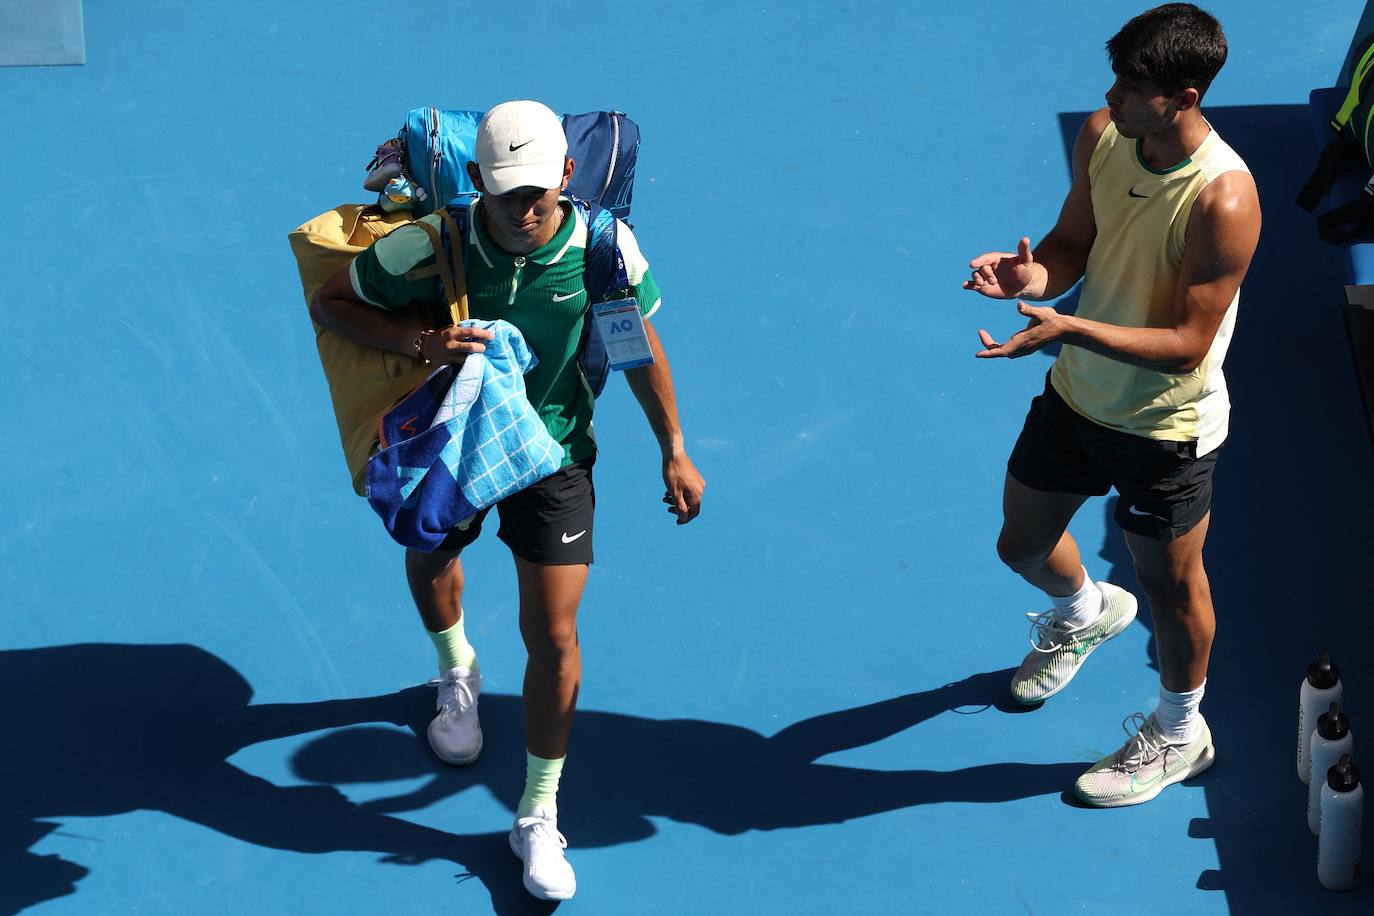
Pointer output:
541, 785
453, 646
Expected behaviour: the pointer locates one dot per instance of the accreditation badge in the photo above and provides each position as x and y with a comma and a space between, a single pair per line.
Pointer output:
622, 331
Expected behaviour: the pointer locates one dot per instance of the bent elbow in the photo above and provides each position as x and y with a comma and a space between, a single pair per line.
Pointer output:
1188, 353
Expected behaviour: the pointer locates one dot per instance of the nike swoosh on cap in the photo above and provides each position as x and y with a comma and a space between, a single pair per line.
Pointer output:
569, 540
558, 298
513, 147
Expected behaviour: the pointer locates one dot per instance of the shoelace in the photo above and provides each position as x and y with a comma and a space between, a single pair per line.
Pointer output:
455, 695
1045, 623
541, 830
1142, 748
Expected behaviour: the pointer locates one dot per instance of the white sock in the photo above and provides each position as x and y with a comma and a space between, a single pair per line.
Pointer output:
1177, 715
1082, 607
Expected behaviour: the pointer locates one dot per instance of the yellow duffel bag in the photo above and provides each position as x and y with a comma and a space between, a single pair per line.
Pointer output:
363, 382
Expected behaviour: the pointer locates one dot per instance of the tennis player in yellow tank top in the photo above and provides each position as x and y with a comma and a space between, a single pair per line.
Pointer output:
1160, 223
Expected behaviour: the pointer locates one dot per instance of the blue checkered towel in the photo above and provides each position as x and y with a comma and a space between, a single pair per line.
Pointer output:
464, 440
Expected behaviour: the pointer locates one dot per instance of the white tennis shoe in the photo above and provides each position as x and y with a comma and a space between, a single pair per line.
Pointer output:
535, 840
454, 733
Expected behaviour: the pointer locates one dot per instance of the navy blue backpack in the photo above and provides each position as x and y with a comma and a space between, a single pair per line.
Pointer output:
436, 146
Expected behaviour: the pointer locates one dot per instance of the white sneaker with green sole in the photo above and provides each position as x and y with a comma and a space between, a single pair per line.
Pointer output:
1059, 650
1144, 766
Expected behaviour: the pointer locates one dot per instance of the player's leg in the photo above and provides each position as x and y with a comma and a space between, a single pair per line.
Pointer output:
1034, 541
1175, 583
1166, 525
549, 596
549, 530
436, 584
1049, 476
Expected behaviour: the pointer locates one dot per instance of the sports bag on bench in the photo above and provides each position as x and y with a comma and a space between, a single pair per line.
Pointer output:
1351, 147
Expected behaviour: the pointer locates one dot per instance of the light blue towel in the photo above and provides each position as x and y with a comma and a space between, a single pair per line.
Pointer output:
459, 443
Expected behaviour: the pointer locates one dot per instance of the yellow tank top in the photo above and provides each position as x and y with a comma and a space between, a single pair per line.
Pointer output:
1131, 280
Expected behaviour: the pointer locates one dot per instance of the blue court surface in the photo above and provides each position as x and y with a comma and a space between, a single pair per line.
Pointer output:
210, 670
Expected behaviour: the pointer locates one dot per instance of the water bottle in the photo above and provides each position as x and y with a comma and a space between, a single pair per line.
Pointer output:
1320, 689
1330, 739
1342, 806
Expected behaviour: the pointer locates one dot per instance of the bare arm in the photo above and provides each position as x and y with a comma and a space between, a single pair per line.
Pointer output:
336, 307
653, 388
1058, 261
1223, 230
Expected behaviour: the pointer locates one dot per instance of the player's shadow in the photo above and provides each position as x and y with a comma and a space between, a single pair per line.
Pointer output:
104, 729
723, 777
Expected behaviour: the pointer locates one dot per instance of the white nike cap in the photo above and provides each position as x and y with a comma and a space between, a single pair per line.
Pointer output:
521, 145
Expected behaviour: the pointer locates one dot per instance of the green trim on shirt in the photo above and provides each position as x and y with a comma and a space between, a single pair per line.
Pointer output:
1140, 157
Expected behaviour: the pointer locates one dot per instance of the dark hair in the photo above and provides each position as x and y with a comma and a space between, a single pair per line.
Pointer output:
1173, 46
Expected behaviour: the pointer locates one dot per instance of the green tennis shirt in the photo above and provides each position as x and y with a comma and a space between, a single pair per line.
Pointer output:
541, 293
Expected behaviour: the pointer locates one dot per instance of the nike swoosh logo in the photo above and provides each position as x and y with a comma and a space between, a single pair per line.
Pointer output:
1181, 763
558, 298
569, 540
513, 147
1134, 511
1132, 193
1086, 645
1138, 783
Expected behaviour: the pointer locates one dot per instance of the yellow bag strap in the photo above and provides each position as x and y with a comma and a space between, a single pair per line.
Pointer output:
458, 309
460, 285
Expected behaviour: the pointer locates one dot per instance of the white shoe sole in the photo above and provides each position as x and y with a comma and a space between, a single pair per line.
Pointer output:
1200, 765
534, 889
1122, 624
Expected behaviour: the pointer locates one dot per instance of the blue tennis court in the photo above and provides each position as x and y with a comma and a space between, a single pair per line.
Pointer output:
213, 676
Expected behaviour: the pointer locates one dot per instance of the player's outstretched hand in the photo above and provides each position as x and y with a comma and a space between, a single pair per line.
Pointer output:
684, 488
1002, 274
1044, 326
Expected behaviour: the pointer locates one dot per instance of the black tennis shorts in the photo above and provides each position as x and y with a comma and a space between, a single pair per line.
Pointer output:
1165, 488
549, 522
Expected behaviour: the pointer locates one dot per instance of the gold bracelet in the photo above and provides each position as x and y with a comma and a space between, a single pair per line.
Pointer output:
419, 343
